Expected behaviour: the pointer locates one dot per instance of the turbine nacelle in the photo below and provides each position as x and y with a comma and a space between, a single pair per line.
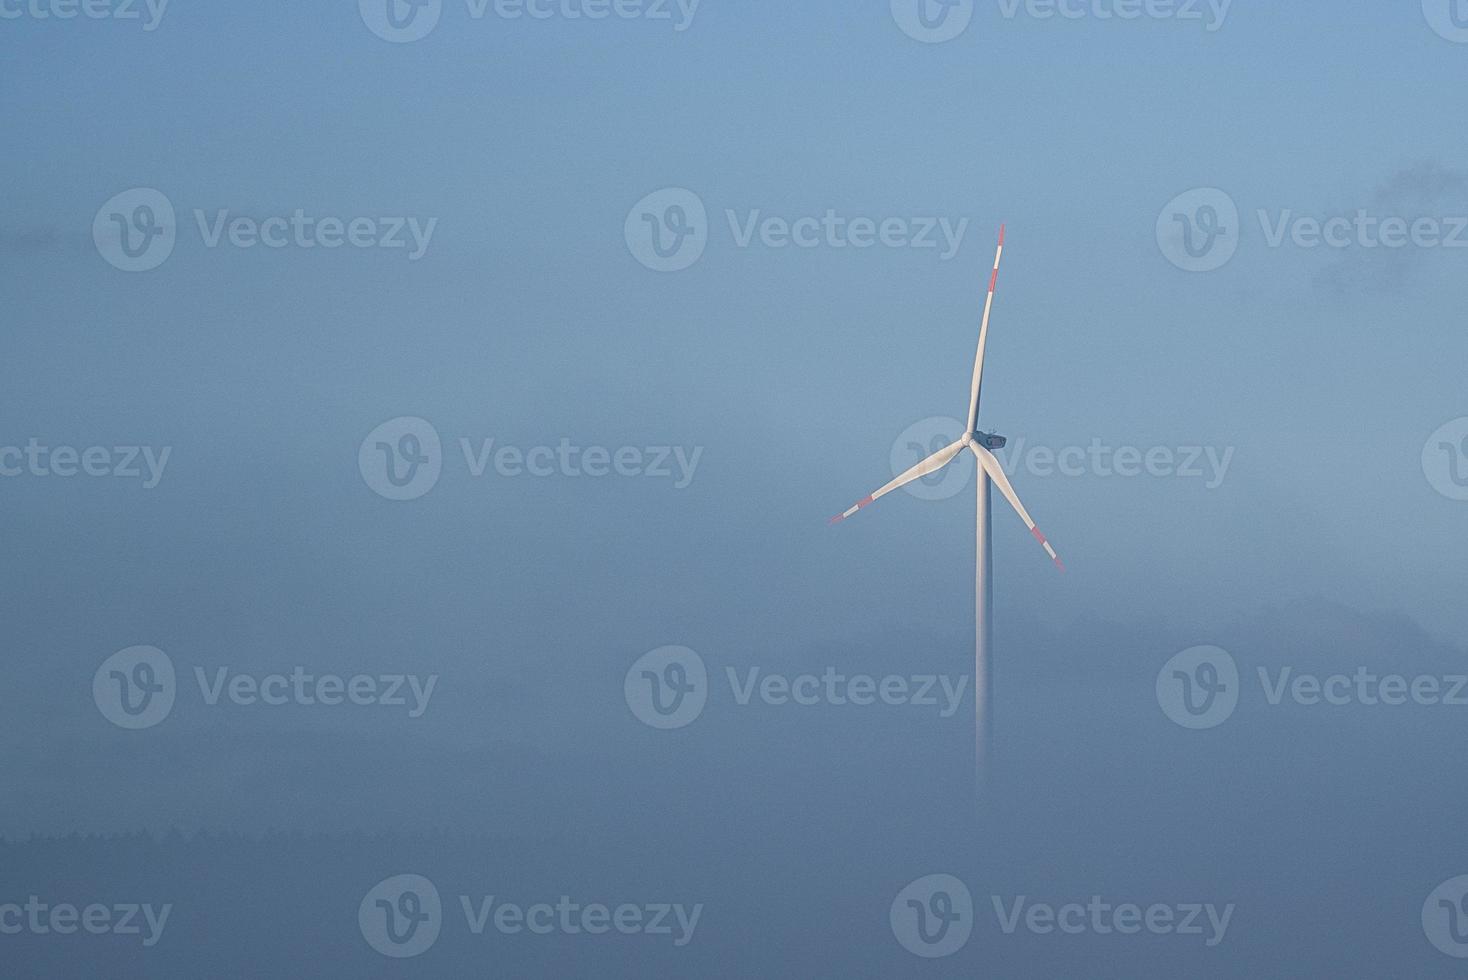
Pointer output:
989, 440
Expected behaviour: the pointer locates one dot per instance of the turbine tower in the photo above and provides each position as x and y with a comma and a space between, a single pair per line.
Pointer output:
981, 444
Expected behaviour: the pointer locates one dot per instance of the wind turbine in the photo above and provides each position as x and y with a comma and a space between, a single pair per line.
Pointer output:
981, 444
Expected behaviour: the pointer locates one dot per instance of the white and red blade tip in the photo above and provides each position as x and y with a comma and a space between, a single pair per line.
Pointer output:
1040, 537
994, 276
851, 510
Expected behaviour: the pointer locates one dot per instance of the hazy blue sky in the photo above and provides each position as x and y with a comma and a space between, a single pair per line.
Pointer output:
1320, 374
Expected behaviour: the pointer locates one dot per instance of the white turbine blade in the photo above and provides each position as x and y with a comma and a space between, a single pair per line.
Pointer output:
973, 401
997, 474
934, 462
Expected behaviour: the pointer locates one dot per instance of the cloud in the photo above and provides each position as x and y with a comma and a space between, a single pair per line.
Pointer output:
1424, 184
1423, 189
31, 241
